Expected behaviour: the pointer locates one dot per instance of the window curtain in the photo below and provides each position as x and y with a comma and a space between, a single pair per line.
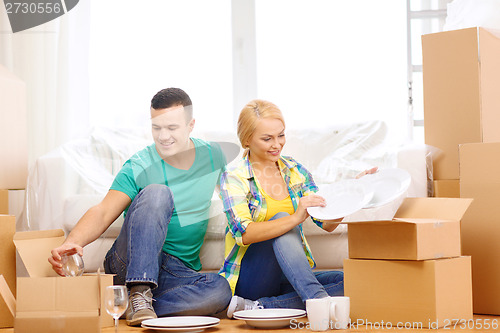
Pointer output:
52, 59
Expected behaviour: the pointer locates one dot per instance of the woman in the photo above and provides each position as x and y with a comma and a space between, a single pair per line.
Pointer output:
269, 264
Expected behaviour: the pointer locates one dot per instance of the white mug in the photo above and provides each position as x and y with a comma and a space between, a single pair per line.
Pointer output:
328, 312
340, 310
318, 313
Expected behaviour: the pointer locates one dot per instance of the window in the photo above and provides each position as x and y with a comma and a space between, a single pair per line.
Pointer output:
326, 62
139, 48
322, 61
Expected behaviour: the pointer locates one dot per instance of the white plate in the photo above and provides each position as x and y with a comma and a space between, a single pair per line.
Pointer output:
193, 329
388, 184
181, 323
342, 198
269, 318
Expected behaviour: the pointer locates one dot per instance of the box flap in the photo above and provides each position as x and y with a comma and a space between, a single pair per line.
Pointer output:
7, 296
34, 248
437, 208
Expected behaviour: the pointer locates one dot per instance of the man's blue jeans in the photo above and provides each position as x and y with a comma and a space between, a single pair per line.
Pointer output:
276, 273
137, 257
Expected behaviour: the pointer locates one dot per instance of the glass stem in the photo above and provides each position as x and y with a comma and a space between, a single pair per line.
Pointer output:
116, 325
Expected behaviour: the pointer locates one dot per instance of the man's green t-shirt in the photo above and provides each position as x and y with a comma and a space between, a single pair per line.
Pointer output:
192, 190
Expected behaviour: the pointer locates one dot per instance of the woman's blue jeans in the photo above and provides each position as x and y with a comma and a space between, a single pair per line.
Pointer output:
137, 257
277, 273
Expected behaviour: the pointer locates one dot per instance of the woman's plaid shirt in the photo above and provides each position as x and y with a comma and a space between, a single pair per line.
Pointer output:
244, 203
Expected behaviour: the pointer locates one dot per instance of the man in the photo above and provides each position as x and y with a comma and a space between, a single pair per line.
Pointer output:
165, 192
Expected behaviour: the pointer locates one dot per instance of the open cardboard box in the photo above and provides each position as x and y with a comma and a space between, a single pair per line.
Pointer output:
47, 302
422, 228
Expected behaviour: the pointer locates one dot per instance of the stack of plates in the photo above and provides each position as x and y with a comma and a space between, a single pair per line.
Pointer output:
346, 197
342, 198
181, 324
387, 185
269, 318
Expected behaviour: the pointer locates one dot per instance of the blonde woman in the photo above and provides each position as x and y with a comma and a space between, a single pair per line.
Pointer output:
268, 262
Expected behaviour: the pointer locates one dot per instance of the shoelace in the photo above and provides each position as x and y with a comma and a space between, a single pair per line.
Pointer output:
143, 301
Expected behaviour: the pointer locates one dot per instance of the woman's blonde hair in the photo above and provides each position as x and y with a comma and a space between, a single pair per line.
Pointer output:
250, 114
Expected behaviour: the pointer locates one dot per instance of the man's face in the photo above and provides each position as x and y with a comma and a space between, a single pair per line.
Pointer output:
171, 130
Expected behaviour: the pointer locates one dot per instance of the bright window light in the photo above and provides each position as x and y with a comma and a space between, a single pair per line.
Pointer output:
325, 62
322, 61
139, 48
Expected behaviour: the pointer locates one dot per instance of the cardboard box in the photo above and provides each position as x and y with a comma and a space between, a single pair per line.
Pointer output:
425, 294
461, 74
7, 303
7, 264
447, 188
47, 302
422, 228
57, 304
13, 129
480, 179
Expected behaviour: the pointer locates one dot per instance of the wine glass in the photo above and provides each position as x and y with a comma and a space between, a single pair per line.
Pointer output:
72, 264
116, 302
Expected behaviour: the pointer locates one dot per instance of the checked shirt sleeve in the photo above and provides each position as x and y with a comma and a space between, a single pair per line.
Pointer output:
233, 192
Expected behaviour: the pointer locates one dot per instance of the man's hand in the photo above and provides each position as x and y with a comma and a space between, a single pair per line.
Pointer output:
55, 259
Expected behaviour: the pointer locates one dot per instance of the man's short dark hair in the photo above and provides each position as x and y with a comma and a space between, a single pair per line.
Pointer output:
169, 97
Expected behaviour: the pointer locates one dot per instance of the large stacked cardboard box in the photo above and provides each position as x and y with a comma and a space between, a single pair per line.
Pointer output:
409, 270
462, 109
461, 99
13, 132
480, 179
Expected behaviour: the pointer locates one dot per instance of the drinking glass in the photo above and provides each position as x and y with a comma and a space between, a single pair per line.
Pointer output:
72, 264
116, 302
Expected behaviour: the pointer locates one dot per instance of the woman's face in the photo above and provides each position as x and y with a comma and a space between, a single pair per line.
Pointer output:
267, 141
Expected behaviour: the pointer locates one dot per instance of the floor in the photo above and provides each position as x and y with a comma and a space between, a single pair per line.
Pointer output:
227, 325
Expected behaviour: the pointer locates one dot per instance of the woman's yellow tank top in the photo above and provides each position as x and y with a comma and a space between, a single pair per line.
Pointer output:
276, 206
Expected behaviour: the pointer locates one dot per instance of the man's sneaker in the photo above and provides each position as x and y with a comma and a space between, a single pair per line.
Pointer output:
140, 307
239, 303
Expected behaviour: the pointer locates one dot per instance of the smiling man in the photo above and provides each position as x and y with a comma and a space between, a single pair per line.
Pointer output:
165, 192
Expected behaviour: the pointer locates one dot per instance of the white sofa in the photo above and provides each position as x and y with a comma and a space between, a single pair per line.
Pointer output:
64, 183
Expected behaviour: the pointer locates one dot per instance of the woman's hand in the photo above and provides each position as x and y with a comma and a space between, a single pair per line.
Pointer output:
55, 259
312, 200
367, 172
330, 225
